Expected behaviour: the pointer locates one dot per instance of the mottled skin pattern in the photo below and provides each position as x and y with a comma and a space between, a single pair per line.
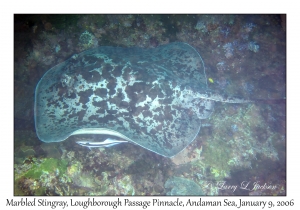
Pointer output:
155, 97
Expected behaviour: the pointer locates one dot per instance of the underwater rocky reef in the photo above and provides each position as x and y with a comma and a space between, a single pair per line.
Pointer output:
244, 55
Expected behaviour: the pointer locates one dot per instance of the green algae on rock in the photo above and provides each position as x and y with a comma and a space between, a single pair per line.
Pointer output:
50, 165
182, 186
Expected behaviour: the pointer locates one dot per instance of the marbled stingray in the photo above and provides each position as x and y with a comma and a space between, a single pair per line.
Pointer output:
155, 98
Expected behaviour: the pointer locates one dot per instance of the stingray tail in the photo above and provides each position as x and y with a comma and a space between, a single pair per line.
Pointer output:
210, 95
270, 101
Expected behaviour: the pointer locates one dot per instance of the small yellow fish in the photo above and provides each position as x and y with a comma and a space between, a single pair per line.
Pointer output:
210, 80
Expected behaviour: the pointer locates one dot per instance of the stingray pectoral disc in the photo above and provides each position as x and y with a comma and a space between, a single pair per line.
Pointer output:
137, 94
